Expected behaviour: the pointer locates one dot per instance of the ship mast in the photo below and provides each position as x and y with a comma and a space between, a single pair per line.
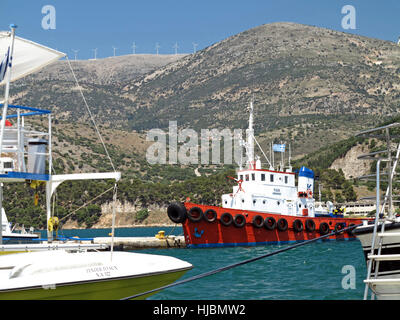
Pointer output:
250, 141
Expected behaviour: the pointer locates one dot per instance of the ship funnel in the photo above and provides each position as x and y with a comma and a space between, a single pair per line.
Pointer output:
306, 180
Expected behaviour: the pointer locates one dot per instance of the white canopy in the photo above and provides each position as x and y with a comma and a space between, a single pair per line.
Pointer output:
28, 56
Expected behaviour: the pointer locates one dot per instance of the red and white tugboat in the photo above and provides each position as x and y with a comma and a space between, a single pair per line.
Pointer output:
265, 207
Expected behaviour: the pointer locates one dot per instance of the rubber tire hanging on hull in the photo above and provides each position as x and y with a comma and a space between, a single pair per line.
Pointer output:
298, 225
350, 232
210, 215
239, 221
339, 226
195, 214
258, 221
282, 224
324, 228
310, 225
226, 219
177, 212
270, 223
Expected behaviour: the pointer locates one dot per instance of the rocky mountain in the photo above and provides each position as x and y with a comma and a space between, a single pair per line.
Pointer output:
311, 86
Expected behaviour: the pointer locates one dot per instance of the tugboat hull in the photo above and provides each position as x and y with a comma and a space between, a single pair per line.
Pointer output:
212, 226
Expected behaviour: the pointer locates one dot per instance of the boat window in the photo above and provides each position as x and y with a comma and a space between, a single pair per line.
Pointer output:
254, 201
263, 201
286, 179
247, 177
271, 177
242, 200
253, 176
241, 177
262, 176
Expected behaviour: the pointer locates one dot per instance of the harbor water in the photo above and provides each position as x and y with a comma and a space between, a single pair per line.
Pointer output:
324, 270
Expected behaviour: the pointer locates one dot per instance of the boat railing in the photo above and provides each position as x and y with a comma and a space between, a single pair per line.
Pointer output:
387, 204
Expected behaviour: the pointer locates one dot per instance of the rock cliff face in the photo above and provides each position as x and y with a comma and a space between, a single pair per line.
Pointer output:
350, 165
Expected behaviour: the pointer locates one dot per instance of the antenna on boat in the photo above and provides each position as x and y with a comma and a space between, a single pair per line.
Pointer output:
250, 139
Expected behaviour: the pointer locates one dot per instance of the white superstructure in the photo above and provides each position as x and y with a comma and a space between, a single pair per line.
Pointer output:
272, 191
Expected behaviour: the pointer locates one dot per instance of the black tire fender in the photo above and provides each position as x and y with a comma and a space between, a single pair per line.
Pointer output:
177, 212
195, 214
282, 224
210, 215
226, 219
258, 221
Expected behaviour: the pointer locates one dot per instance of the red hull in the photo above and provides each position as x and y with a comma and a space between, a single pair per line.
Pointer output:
203, 233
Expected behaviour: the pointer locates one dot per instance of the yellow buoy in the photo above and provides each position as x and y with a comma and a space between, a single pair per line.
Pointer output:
160, 234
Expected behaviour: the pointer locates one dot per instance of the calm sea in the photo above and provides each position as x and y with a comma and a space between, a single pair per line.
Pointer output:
327, 270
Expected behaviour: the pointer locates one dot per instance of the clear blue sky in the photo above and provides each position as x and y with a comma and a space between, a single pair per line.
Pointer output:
88, 24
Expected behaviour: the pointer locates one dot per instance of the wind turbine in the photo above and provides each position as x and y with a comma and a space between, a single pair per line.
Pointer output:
194, 46
75, 53
114, 48
176, 47
157, 47
134, 48
95, 53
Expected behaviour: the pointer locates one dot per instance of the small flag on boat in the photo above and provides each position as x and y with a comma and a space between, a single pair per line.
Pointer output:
4, 65
278, 147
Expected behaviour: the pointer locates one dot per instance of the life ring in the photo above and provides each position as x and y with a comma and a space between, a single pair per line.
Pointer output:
338, 227
298, 225
282, 224
177, 212
270, 223
210, 215
195, 214
310, 225
239, 220
226, 219
258, 221
309, 194
323, 228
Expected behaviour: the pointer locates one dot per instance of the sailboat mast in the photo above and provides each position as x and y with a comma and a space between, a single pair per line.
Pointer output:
3, 119
7, 89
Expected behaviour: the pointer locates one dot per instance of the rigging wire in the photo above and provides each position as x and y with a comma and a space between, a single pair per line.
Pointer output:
240, 263
91, 115
115, 188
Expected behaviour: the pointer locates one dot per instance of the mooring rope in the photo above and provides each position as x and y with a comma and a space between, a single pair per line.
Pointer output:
240, 263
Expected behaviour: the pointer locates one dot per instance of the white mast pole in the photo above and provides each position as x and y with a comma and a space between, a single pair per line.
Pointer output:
250, 141
3, 119
7, 90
